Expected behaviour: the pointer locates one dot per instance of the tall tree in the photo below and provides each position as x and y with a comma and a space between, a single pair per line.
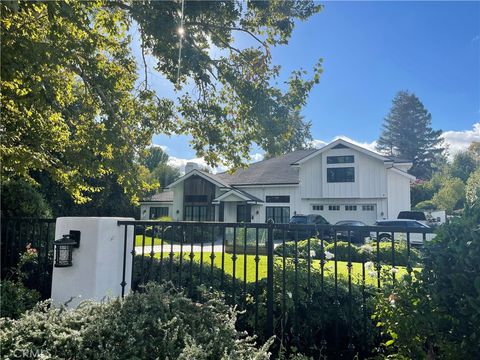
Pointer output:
156, 161
153, 157
74, 105
407, 133
297, 137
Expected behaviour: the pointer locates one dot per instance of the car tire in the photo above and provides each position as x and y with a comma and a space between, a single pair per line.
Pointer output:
384, 237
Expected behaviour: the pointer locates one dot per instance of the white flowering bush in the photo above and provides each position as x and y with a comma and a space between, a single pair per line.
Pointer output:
157, 324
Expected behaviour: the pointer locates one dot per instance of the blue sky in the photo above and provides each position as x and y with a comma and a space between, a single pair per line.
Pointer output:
373, 49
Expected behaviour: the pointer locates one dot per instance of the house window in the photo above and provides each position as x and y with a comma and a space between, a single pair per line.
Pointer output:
244, 213
334, 207
279, 214
195, 198
348, 159
199, 213
158, 212
317, 207
351, 207
368, 207
341, 174
277, 199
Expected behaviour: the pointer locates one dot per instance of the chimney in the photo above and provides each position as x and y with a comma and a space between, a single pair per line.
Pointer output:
191, 166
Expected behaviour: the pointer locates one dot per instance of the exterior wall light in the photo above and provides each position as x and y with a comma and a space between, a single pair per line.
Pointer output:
64, 248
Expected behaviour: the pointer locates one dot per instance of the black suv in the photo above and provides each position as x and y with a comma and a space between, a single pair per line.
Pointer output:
296, 231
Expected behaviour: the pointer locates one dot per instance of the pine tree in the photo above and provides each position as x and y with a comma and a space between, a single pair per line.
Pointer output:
407, 133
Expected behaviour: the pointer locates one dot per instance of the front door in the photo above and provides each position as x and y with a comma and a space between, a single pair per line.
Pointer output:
244, 213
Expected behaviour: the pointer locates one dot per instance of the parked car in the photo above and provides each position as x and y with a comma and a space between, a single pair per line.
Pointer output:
356, 236
312, 219
416, 238
413, 215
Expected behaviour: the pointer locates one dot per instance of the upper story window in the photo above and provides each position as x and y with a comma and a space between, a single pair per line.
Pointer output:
340, 174
348, 159
195, 198
277, 199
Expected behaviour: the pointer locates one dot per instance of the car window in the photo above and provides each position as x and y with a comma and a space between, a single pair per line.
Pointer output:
413, 215
298, 220
320, 220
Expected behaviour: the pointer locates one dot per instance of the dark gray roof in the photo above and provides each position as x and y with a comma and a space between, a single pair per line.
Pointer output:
276, 170
166, 196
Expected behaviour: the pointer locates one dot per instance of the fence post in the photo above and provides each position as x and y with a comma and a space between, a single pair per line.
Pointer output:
270, 277
100, 264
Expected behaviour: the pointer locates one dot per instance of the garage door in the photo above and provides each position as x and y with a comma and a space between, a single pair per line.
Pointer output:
361, 212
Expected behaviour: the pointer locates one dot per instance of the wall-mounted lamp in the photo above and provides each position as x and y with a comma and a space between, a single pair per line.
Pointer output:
257, 212
178, 211
64, 248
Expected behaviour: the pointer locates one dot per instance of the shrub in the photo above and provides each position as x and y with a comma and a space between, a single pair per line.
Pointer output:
342, 253
309, 311
312, 314
302, 248
16, 298
160, 323
435, 313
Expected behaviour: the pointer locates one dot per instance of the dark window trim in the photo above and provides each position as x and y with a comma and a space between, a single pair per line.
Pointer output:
341, 159
247, 213
334, 174
284, 216
154, 210
277, 198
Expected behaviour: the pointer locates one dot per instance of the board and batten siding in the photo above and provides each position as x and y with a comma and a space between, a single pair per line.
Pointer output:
398, 194
370, 177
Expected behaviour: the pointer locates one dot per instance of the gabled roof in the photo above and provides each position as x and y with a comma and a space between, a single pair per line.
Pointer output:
268, 172
213, 178
250, 199
338, 143
166, 196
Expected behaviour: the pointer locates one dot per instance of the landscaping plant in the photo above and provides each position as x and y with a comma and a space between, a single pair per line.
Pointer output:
435, 314
159, 323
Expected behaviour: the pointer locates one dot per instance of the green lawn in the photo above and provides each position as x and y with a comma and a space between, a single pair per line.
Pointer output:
342, 269
148, 241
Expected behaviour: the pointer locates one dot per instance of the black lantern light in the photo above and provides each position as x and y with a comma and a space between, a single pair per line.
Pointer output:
64, 248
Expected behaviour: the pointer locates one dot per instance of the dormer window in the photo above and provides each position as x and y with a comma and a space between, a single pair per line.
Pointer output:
347, 159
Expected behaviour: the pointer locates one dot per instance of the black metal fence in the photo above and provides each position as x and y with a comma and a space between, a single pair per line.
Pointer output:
23, 236
289, 279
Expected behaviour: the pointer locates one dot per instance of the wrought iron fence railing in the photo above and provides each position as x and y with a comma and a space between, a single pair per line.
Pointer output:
36, 235
276, 272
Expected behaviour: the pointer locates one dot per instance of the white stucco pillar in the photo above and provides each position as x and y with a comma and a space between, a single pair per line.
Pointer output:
97, 270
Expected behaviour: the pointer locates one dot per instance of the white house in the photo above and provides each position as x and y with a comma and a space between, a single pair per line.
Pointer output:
340, 181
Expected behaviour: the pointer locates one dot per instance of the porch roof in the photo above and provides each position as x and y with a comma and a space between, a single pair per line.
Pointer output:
240, 194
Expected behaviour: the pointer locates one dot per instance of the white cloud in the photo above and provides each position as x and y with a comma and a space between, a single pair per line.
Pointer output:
460, 140
163, 147
257, 157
